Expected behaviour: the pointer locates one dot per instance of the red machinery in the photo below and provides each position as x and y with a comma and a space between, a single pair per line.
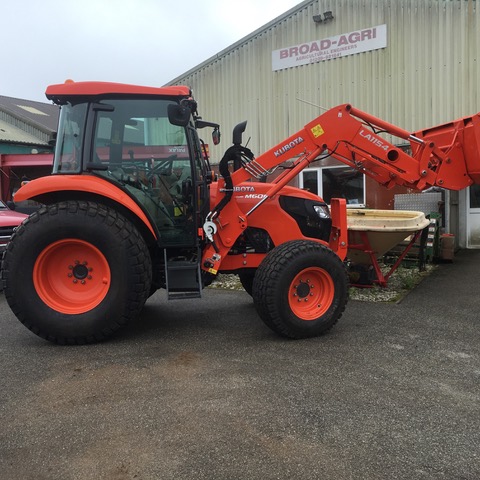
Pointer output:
118, 223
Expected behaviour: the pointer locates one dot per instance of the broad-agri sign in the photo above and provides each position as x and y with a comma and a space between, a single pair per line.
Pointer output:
365, 40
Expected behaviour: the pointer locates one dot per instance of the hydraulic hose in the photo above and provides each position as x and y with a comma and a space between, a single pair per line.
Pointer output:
235, 153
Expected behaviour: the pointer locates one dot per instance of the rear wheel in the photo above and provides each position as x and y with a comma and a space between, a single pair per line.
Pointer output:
300, 289
75, 272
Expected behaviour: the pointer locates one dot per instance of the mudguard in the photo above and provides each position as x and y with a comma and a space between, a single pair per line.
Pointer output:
81, 183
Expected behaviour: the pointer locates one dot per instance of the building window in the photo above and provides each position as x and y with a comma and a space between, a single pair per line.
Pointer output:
474, 192
335, 182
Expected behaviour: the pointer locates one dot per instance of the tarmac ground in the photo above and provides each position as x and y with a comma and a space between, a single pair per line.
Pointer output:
201, 389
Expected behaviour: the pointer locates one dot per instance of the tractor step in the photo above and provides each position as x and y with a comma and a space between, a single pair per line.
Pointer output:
183, 279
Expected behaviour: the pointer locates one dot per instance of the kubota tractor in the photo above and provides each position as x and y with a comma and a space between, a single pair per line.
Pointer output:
133, 206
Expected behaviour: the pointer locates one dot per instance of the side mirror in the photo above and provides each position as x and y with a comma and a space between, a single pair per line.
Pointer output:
178, 115
199, 123
216, 136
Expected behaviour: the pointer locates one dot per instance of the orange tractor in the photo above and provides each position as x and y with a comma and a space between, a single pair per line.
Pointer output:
133, 206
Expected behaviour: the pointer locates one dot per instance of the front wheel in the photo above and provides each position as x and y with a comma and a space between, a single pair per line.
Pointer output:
300, 290
75, 272
246, 279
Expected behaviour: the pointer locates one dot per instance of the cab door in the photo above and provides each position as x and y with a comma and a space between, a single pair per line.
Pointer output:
151, 159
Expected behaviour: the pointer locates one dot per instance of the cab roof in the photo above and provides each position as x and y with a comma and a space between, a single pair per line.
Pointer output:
89, 89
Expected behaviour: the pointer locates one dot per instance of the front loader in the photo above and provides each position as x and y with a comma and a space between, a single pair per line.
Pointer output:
133, 206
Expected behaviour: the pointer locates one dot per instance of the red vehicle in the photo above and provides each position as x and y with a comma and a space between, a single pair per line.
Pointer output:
133, 206
9, 221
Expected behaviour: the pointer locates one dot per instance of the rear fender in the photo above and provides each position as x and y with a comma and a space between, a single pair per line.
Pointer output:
41, 188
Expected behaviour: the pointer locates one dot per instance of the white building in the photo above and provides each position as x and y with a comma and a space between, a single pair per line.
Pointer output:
413, 63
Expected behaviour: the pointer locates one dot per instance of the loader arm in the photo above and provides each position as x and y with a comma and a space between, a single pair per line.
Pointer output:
446, 155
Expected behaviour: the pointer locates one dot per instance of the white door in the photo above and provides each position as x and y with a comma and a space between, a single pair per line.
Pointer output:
473, 217
335, 182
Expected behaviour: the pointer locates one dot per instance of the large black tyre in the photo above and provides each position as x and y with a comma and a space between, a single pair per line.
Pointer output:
75, 272
300, 289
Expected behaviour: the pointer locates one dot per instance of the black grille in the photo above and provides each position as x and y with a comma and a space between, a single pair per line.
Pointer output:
307, 219
6, 231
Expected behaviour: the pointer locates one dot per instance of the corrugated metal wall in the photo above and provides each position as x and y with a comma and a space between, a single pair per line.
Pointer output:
25, 128
428, 74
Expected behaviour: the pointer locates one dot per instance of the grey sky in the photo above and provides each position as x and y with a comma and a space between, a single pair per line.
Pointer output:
147, 42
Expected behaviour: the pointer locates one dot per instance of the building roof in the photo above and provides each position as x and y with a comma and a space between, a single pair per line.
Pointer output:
43, 116
12, 134
27, 121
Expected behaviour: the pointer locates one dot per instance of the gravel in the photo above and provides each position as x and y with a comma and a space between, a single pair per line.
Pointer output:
402, 281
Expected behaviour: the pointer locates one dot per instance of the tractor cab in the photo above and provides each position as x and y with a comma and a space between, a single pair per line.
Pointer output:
133, 143
141, 142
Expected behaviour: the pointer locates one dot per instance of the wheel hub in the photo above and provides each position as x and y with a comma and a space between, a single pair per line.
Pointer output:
80, 271
303, 290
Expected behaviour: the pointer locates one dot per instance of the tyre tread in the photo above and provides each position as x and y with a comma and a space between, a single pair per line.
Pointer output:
265, 287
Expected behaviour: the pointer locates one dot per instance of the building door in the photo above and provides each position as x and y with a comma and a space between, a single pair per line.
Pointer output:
473, 217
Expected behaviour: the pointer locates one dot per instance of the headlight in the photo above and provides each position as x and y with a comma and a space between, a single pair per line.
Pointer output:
322, 211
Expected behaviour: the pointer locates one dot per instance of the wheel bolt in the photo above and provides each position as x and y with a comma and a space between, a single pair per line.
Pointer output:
70, 275
75, 280
306, 300
83, 282
89, 277
70, 267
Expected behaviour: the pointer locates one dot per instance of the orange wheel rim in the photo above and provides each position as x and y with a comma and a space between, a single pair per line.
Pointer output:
71, 276
311, 293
